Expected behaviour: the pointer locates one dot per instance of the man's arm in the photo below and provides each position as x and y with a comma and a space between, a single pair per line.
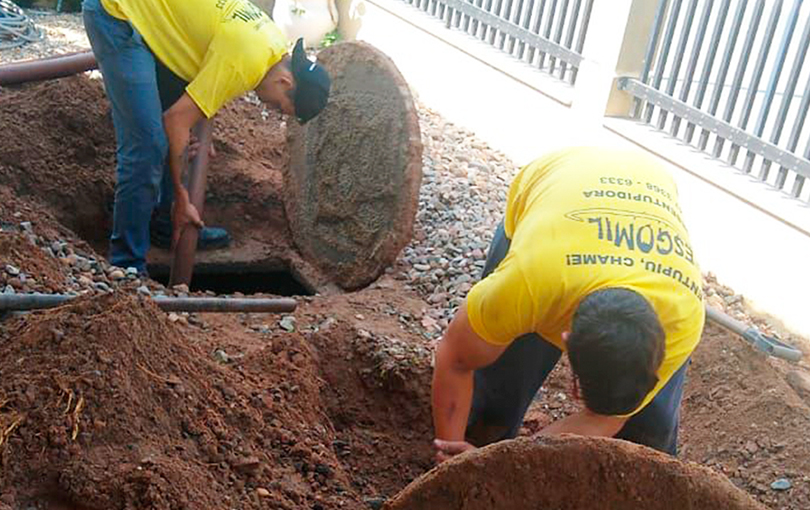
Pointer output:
459, 354
178, 121
587, 423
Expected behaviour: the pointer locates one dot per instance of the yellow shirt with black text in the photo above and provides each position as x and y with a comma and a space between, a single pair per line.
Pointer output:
585, 219
222, 48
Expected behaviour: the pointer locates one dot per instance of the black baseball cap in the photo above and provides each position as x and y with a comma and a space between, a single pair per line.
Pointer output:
312, 84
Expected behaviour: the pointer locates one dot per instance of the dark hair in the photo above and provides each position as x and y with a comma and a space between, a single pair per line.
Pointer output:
615, 348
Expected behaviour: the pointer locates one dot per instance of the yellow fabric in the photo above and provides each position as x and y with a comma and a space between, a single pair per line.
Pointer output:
223, 48
585, 219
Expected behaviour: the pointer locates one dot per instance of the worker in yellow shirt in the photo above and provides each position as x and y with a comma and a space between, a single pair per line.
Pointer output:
593, 260
167, 64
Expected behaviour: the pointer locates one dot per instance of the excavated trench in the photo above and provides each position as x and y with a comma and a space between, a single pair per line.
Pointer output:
336, 418
329, 204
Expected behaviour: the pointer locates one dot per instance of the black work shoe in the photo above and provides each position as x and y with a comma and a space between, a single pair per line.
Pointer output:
210, 238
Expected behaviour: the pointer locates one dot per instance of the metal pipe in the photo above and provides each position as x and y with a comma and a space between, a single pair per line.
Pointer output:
47, 68
26, 302
184, 251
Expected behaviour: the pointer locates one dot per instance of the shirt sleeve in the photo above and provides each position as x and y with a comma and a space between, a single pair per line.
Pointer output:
218, 82
500, 307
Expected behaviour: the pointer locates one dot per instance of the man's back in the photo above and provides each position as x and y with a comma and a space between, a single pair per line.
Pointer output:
582, 220
228, 45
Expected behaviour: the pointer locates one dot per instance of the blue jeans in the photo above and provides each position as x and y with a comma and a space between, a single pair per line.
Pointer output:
504, 390
128, 68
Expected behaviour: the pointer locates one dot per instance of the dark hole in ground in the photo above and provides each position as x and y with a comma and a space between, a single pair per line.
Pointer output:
254, 281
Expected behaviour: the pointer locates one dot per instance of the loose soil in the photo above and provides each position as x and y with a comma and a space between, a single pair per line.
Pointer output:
570, 473
105, 403
334, 414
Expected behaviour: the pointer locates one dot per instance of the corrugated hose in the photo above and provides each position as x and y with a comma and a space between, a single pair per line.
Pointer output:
16, 28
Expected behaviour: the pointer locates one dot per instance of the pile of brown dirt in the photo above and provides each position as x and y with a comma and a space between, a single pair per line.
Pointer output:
570, 473
59, 147
742, 418
104, 403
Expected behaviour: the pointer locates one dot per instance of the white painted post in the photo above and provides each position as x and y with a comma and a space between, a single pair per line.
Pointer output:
614, 45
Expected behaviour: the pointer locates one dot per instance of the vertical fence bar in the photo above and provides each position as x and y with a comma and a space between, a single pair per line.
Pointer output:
691, 67
583, 32
558, 34
527, 14
505, 14
496, 10
547, 32
799, 182
535, 29
756, 77
661, 64
569, 37
795, 133
801, 115
705, 74
517, 11
739, 73
722, 73
473, 28
465, 20
790, 86
649, 54
482, 34
676, 67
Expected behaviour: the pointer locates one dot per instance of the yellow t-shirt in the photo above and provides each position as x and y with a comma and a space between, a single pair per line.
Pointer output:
585, 219
223, 48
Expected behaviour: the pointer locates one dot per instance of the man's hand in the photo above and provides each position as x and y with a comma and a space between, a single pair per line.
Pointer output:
183, 214
194, 148
448, 449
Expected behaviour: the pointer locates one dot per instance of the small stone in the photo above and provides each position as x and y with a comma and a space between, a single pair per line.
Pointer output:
247, 465
222, 356
800, 382
143, 289
26, 226
132, 272
17, 283
102, 287
374, 503
13, 271
173, 317
287, 323
117, 274
262, 492
181, 287
751, 447
781, 484
421, 267
85, 281
9, 290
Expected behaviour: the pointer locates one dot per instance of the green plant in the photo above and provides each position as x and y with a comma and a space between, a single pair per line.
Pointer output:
330, 38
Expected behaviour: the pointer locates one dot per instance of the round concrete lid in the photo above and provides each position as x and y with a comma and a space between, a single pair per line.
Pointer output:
352, 186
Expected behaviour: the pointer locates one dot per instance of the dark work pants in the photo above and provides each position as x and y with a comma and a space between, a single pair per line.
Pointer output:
504, 390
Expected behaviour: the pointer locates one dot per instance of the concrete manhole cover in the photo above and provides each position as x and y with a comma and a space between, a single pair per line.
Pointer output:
353, 181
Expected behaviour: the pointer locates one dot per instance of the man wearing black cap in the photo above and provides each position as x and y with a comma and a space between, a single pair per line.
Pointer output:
217, 50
